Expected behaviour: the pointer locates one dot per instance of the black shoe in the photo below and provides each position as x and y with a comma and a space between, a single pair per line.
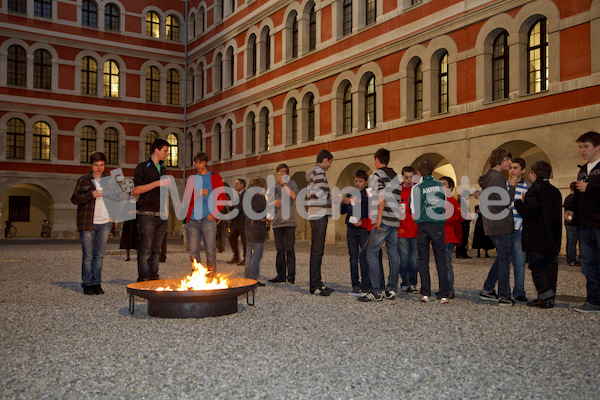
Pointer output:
488, 296
506, 302
521, 299
128, 259
322, 291
539, 303
98, 289
466, 256
242, 263
89, 290
144, 279
259, 283
451, 296
291, 280
234, 260
154, 278
277, 280
370, 297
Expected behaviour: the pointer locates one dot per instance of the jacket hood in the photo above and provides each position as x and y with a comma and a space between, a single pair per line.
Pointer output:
484, 181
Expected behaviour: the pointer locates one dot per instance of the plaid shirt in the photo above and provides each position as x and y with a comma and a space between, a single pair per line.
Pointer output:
86, 203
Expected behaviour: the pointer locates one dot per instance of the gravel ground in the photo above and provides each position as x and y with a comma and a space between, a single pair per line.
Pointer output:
58, 343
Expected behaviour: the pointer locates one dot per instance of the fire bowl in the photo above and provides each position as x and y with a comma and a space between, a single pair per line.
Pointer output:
190, 303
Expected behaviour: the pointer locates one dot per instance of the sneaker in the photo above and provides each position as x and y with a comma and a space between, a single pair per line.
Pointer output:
322, 291
506, 302
488, 296
587, 308
521, 299
424, 299
405, 289
444, 300
390, 294
370, 297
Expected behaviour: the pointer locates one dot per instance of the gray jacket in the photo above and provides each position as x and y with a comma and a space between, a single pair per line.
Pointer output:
493, 178
278, 221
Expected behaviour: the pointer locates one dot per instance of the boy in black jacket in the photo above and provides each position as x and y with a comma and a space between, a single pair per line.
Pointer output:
542, 230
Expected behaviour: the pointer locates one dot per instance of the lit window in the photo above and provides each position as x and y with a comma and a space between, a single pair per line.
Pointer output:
111, 79
418, 91
41, 141
347, 106
87, 143
112, 16
172, 87
151, 136
152, 24
152, 85
42, 69
370, 104
537, 55
500, 67
15, 139
111, 145
443, 84
172, 28
371, 13
89, 76
172, 159
16, 66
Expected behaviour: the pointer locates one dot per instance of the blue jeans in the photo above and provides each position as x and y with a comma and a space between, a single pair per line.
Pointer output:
407, 249
589, 256
151, 233
93, 244
571, 243
518, 257
389, 236
449, 252
254, 253
500, 270
357, 237
203, 230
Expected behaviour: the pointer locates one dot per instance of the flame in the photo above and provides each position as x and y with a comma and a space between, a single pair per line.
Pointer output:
200, 279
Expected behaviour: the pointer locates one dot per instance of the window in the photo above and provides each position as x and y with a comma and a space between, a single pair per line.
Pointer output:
111, 145
218, 73
152, 85
251, 133
151, 136
311, 119
15, 138
293, 106
18, 208
229, 130
111, 79
172, 28
112, 16
347, 113
370, 110
172, 86
347, 17
200, 144
218, 139
266, 134
418, 90
443, 84
312, 29
191, 93
41, 141
42, 8
87, 143
89, 76
371, 13
230, 58
201, 78
500, 67
201, 19
42, 69
295, 37
152, 24
172, 159
267, 48
192, 26
190, 148
17, 6
17, 66
252, 55
89, 13
537, 57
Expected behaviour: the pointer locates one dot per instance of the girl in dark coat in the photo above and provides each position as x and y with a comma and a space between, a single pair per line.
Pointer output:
480, 239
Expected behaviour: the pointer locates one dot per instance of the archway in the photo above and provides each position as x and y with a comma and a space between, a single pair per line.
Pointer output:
346, 179
27, 205
442, 166
528, 151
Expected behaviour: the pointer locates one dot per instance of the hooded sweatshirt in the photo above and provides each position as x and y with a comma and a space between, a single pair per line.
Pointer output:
494, 179
319, 195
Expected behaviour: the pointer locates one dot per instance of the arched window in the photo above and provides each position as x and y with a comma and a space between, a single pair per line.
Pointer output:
293, 124
251, 133
42, 69
89, 76
111, 145
201, 79
418, 90
42, 8
15, 138
17, 6
201, 20
190, 149
172, 24
218, 73
347, 110
111, 79
16, 66
200, 142
443, 84
89, 13
172, 86
295, 37
112, 17
191, 86
41, 141
172, 159
265, 129
152, 24
87, 143
371, 12
218, 144
151, 136
500, 67
251, 60
370, 106
229, 131
312, 29
192, 26
265, 43
537, 57
230, 67
347, 17
152, 84
311, 118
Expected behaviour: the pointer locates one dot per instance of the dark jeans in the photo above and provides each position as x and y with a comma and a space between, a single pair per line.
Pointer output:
152, 231
285, 239
357, 237
432, 233
318, 228
589, 256
571, 243
93, 244
254, 253
544, 271
234, 233
500, 270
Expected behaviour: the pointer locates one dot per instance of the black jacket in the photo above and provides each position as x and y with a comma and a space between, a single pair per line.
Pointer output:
586, 205
256, 230
239, 221
542, 218
146, 173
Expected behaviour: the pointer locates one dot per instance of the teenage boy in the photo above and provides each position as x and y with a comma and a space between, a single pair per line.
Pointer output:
452, 229
152, 219
202, 222
256, 231
356, 232
319, 212
385, 194
571, 227
498, 223
93, 223
587, 208
284, 226
542, 231
407, 235
427, 204
238, 225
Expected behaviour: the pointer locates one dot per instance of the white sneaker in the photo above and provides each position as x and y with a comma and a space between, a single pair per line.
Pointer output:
424, 299
444, 300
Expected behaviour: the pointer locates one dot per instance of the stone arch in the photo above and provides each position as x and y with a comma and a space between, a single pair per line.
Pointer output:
41, 206
443, 167
528, 151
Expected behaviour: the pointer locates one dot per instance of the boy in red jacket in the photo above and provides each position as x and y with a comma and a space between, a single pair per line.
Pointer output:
452, 228
407, 236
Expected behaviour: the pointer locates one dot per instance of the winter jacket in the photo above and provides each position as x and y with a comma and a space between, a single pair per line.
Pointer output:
429, 194
85, 201
408, 228
586, 205
453, 225
494, 179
